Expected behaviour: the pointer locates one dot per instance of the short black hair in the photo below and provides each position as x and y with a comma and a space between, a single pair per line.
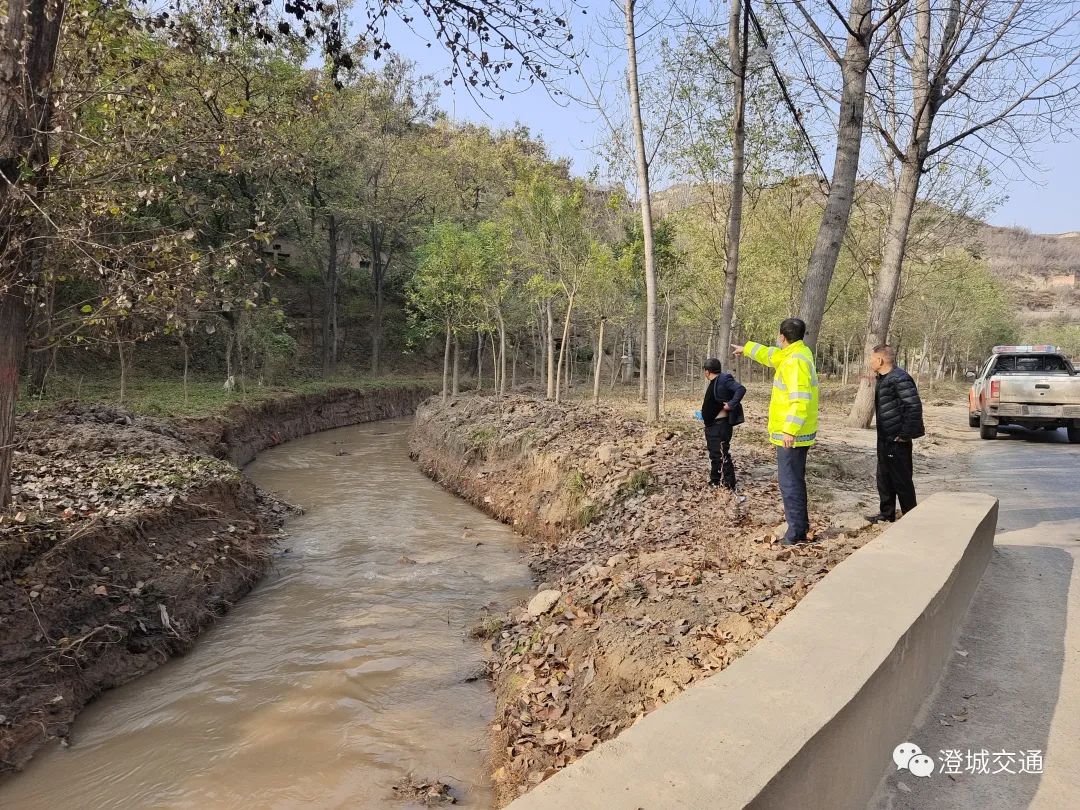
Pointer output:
712, 365
793, 329
886, 351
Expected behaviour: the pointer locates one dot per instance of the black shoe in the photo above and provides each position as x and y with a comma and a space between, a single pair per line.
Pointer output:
798, 541
879, 518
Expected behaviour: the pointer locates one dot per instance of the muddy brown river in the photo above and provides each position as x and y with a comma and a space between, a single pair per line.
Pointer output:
344, 671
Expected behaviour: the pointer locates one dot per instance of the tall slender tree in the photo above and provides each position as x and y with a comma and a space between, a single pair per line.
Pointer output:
957, 59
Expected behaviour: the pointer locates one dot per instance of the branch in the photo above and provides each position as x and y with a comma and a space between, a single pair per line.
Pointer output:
819, 35
784, 91
1029, 95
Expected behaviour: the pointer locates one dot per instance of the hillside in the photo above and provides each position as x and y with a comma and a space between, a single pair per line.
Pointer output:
1041, 270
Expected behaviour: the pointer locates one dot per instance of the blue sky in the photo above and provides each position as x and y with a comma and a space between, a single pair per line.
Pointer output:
1044, 202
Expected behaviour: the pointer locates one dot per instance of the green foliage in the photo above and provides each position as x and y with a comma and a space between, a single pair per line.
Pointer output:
1065, 334
461, 273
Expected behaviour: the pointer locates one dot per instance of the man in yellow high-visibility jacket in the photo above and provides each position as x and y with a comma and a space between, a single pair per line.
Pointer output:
793, 418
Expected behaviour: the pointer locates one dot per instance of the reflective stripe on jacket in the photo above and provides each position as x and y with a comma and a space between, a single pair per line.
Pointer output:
793, 407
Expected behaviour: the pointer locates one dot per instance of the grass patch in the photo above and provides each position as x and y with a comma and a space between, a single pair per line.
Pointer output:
482, 438
588, 513
831, 467
640, 482
575, 484
154, 396
487, 628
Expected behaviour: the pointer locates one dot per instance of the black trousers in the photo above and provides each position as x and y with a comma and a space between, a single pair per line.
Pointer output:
718, 440
894, 476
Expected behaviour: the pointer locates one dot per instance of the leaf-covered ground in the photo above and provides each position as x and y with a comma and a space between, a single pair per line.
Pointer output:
654, 580
122, 541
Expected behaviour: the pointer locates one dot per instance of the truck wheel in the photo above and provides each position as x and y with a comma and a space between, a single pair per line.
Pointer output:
1074, 435
987, 431
973, 420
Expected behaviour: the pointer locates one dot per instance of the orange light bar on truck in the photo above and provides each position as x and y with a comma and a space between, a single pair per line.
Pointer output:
1026, 350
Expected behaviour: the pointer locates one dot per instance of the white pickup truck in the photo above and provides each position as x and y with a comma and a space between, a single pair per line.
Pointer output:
1029, 386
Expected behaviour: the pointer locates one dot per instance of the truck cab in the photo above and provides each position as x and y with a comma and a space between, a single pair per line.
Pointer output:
1030, 386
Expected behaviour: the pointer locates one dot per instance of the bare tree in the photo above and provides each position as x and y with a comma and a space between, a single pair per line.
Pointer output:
651, 109
652, 377
738, 31
860, 27
986, 77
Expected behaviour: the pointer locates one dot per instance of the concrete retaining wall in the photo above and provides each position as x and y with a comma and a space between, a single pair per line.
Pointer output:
810, 716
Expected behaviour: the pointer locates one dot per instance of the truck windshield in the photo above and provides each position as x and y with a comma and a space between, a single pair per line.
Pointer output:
1031, 364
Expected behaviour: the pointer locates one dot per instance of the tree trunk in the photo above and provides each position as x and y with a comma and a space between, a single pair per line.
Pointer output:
31, 33
502, 355
926, 98
495, 365
446, 363
664, 361
562, 348
457, 365
924, 359
330, 280
834, 219
737, 35
40, 329
123, 367
228, 353
14, 314
599, 364
538, 354
479, 361
617, 364
641, 367
652, 376
513, 369
881, 309
378, 279
940, 373
187, 364
549, 357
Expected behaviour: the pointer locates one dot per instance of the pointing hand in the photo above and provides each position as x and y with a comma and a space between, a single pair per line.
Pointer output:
736, 350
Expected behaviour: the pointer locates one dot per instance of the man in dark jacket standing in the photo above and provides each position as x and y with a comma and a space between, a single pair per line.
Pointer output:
899, 418
721, 411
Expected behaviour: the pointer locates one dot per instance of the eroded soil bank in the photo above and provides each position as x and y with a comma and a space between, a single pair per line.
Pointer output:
652, 580
127, 536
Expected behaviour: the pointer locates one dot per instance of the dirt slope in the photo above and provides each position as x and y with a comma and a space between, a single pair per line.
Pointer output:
652, 579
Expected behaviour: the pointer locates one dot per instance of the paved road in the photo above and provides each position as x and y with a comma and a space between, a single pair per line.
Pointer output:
1014, 683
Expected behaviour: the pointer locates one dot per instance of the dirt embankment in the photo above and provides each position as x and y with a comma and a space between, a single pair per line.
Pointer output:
127, 536
653, 580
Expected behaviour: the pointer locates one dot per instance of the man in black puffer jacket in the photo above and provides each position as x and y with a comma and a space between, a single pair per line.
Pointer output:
899, 417
721, 411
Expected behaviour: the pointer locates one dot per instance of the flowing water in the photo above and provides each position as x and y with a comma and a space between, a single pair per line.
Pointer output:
345, 670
